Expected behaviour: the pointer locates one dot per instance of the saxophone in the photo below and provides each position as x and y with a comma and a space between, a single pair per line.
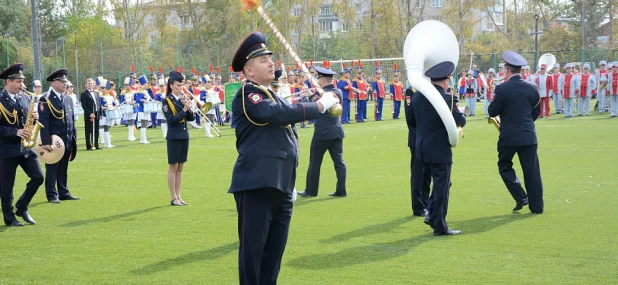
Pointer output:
31, 124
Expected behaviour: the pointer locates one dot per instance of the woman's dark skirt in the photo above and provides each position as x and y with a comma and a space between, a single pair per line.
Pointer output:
177, 151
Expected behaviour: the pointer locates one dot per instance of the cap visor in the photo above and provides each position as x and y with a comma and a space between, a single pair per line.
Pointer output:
260, 53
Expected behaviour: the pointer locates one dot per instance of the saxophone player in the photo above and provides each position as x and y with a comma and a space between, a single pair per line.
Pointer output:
14, 112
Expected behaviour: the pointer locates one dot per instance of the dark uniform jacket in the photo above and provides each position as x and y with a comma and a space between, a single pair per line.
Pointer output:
54, 123
176, 123
10, 143
517, 104
432, 144
410, 117
266, 144
89, 104
326, 126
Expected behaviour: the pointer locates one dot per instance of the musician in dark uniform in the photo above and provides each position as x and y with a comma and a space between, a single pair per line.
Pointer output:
56, 116
432, 148
517, 103
328, 135
92, 113
419, 178
265, 171
177, 111
14, 110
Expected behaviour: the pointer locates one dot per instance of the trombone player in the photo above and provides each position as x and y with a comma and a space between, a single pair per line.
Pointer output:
517, 102
14, 110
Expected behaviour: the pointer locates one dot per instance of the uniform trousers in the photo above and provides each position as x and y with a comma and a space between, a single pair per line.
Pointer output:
380, 107
397, 108
583, 105
613, 104
8, 169
264, 216
316, 155
486, 103
438, 201
92, 133
569, 106
545, 107
557, 102
420, 179
56, 174
362, 110
601, 98
529, 162
345, 115
471, 103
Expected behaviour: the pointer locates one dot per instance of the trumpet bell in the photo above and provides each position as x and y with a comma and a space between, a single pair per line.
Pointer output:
53, 156
427, 44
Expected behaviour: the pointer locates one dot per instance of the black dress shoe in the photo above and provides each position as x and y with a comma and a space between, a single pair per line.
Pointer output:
26, 216
55, 201
519, 205
448, 232
98, 148
338, 195
70, 197
15, 224
305, 194
424, 213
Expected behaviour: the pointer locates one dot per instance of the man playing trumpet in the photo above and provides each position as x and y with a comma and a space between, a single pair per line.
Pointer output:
517, 102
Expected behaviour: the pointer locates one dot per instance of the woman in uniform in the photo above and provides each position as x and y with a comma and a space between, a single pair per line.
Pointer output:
129, 99
107, 103
176, 108
160, 96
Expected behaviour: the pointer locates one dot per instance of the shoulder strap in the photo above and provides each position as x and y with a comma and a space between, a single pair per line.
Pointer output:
173, 108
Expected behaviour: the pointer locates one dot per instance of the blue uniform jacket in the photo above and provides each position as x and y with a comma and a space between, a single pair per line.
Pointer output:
55, 123
266, 144
10, 143
326, 126
342, 85
410, 117
139, 95
432, 144
517, 104
176, 127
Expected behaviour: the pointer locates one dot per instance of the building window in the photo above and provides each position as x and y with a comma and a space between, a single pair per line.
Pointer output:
296, 12
294, 32
326, 27
325, 10
152, 39
437, 3
419, 3
498, 18
437, 18
344, 27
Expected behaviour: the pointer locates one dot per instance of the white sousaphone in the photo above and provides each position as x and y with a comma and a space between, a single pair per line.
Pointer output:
427, 44
547, 59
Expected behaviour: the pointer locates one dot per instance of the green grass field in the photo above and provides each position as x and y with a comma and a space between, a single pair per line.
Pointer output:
123, 231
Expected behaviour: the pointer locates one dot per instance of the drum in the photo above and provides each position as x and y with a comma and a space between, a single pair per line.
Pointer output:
78, 110
151, 107
112, 114
159, 107
126, 109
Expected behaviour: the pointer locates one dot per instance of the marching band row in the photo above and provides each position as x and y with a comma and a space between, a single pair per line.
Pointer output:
565, 89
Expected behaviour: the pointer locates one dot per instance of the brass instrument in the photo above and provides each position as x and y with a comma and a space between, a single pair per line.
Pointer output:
200, 113
492, 87
31, 125
495, 121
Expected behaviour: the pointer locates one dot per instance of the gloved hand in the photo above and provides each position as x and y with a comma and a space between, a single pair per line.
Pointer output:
328, 100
